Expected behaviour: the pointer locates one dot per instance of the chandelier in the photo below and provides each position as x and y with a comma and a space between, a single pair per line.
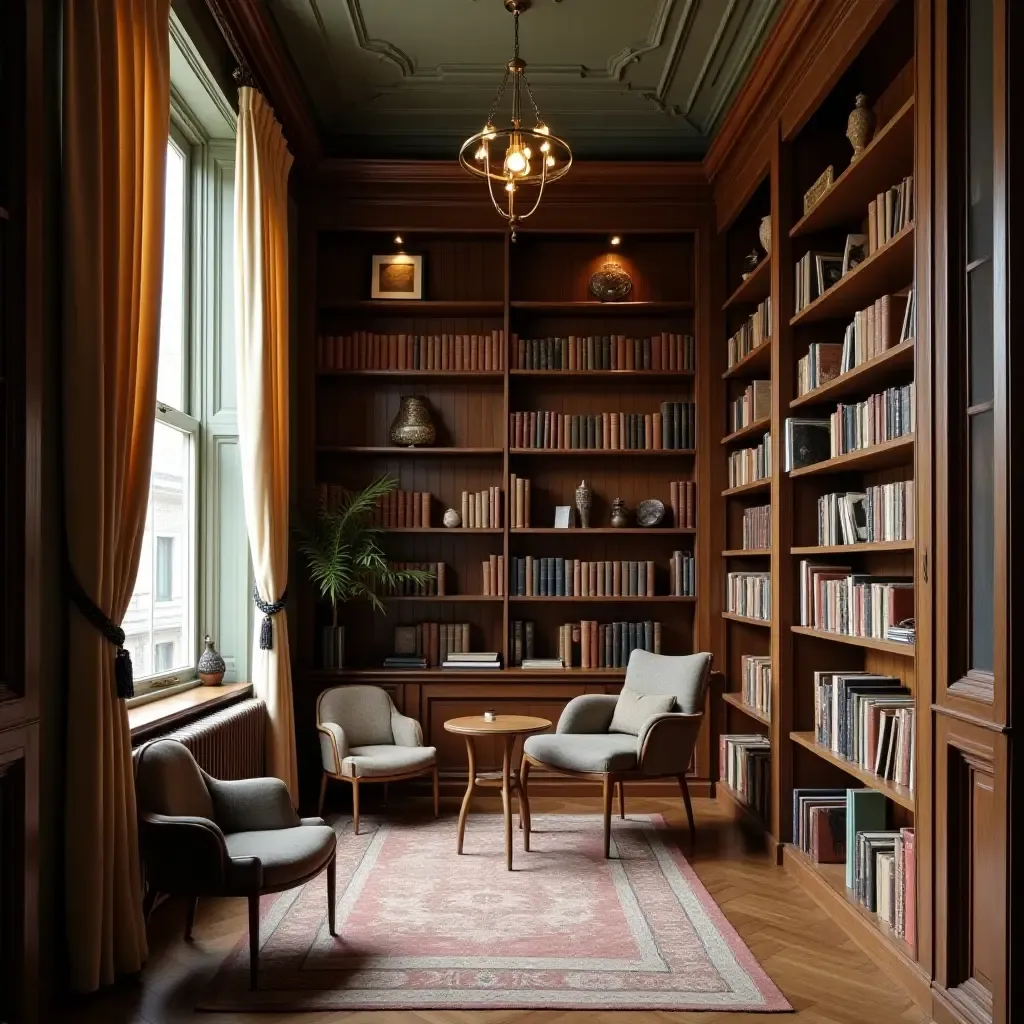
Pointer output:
517, 161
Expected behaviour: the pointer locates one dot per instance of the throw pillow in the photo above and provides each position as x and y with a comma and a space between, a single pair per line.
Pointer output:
632, 709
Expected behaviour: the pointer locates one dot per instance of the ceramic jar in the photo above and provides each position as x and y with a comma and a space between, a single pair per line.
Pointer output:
211, 667
413, 426
860, 126
584, 501
619, 517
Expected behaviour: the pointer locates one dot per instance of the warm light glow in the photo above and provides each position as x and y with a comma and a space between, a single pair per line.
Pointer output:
398, 239
510, 187
542, 129
545, 147
489, 130
481, 153
550, 161
615, 240
527, 152
515, 161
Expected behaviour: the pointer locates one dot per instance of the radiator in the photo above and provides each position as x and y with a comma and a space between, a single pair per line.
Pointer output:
229, 744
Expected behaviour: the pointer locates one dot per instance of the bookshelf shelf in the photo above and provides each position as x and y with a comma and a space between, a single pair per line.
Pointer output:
417, 307
622, 531
898, 452
870, 376
854, 549
605, 453
747, 553
736, 700
444, 531
578, 376
889, 268
747, 813
888, 646
749, 431
756, 287
898, 794
444, 599
747, 620
656, 599
610, 309
480, 375
371, 451
754, 487
754, 364
889, 155
512, 676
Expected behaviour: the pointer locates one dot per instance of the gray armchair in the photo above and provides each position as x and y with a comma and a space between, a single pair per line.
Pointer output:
204, 837
656, 745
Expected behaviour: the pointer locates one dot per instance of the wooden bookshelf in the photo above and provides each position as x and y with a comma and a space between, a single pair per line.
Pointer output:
867, 548
607, 453
869, 377
736, 700
751, 430
392, 452
755, 363
578, 377
898, 452
418, 308
468, 375
606, 531
587, 308
747, 620
754, 487
747, 553
870, 643
757, 286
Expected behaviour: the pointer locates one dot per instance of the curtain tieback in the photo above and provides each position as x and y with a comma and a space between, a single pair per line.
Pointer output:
268, 609
99, 620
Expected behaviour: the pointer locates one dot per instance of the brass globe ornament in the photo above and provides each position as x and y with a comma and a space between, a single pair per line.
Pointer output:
517, 162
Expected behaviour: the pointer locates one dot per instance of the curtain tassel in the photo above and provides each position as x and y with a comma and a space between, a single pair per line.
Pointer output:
269, 609
124, 678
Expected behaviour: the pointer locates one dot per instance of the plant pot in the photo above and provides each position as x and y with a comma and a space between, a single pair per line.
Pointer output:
332, 647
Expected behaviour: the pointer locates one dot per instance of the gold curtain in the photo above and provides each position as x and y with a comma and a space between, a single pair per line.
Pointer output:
115, 124
262, 163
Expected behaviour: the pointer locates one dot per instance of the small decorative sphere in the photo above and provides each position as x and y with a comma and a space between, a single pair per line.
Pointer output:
452, 519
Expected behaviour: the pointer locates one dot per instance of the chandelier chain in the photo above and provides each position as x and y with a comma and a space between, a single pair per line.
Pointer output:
533, 102
497, 99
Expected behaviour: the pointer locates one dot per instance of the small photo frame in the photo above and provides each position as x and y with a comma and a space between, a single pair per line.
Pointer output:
854, 252
398, 276
563, 517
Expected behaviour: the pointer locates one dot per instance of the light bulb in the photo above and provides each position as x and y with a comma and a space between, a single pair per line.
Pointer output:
481, 153
515, 161
510, 187
615, 240
527, 152
542, 129
550, 161
398, 239
545, 147
489, 130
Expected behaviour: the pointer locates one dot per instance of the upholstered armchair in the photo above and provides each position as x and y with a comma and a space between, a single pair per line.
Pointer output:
204, 837
363, 738
646, 732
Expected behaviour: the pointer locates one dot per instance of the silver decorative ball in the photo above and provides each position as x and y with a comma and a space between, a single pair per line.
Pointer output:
452, 519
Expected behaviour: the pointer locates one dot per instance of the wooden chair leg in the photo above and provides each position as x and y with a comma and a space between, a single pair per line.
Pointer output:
686, 800
254, 940
437, 794
332, 875
622, 799
323, 793
355, 806
524, 803
606, 793
385, 805
190, 916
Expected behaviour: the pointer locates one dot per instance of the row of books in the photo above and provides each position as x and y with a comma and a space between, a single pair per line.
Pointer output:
753, 333
881, 512
396, 508
756, 676
365, 350
430, 642
881, 417
757, 528
519, 502
890, 212
682, 501
481, 510
674, 427
744, 763
573, 577
492, 574
434, 587
750, 464
816, 272
868, 719
754, 404
682, 574
663, 351
836, 600
849, 827
591, 644
523, 645
749, 594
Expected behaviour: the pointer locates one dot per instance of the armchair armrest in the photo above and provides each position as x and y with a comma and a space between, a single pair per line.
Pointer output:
665, 744
333, 746
183, 855
589, 713
406, 731
251, 805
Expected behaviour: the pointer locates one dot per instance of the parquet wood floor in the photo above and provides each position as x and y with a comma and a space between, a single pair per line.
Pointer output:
823, 973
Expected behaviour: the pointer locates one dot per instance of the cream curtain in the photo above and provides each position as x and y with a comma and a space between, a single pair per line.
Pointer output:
115, 125
262, 163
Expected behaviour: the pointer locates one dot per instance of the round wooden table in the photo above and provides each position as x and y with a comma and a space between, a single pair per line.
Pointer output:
508, 726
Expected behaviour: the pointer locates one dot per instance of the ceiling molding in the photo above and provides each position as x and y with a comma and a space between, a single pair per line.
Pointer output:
381, 47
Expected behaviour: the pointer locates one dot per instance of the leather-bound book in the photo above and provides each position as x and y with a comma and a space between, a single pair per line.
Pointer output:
650, 578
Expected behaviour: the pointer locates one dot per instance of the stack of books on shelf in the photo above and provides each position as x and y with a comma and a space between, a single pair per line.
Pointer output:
573, 577
683, 502
744, 763
755, 332
754, 404
756, 673
492, 574
592, 644
757, 528
819, 824
882, 417
481, 510
682, 574
881, 512
608, 352
904, 632
749, 594
890, 212
750, 464
816, 272
822, 363
430, 642
473, 660
674, 427
869, 720
394, 509
405, 661
519, 502
433, 587
364, 350
882, 326
835, 600
523, 637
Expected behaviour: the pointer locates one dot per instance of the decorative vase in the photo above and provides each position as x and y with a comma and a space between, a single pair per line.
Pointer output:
413, 425
332, 647
764, 232
211, 665
860, 126
619, 517
584, 499
452, 519
650, 512
611, 283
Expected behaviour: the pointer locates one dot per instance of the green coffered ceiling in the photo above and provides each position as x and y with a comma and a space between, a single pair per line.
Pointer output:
616, 78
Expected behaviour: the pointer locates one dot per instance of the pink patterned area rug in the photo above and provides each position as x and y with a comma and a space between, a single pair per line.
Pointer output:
420, 927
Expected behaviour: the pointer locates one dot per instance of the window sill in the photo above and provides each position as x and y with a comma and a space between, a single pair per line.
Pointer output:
148, 719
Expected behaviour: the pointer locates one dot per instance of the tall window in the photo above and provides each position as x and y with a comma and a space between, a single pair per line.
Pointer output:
160, 626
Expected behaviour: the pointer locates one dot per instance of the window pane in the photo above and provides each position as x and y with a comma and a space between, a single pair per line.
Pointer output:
980, 94
982, 542
170, 374
158, 626
980, 326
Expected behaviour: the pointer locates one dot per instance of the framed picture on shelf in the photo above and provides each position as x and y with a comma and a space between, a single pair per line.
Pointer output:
398, 276
563, 517
829, 267
854, 251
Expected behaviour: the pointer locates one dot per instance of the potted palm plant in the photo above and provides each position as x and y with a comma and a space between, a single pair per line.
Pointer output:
346, 562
